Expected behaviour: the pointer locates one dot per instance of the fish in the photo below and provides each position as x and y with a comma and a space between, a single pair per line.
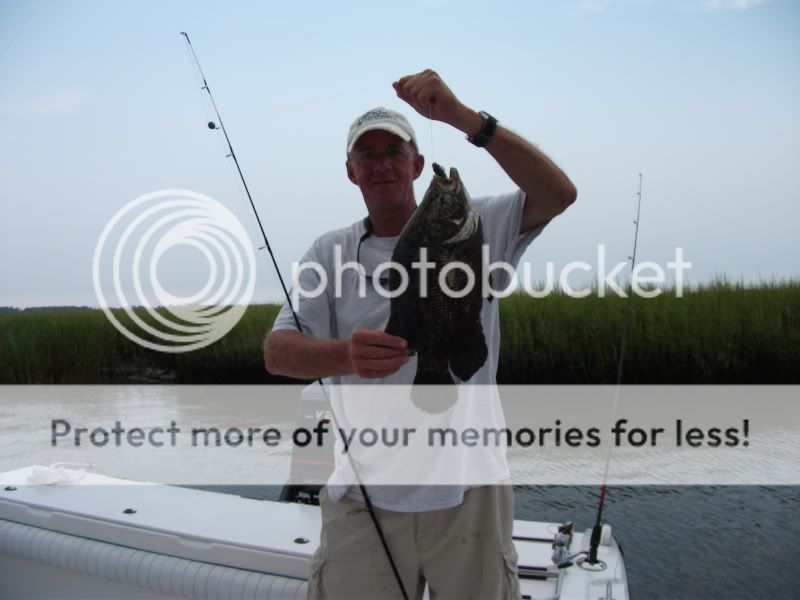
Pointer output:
444, 331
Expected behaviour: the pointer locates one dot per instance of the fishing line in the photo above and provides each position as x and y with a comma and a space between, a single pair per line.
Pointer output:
430, 123
232, 154
598, 527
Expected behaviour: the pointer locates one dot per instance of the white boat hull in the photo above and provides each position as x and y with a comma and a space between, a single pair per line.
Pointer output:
101, 537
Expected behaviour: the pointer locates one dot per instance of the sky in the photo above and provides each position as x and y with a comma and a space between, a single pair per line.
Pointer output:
100, 104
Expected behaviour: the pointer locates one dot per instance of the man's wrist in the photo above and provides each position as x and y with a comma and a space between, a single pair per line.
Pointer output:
469, 122
345, 359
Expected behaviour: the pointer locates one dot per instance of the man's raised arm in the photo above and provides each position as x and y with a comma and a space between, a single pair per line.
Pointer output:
548, 191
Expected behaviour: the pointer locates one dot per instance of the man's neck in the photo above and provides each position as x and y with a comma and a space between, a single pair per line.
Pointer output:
390, 225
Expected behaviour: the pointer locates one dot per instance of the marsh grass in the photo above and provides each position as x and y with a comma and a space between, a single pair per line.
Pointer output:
719, 333
82, 346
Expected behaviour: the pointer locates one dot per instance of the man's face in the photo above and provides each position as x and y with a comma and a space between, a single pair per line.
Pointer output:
384, 167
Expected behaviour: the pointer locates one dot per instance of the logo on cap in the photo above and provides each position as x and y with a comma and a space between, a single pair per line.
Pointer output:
375, 114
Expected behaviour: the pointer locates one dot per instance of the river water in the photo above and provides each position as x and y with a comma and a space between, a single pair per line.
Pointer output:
680, 541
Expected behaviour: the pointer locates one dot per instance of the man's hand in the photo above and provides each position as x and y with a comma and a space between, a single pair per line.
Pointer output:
430, 97
377, 354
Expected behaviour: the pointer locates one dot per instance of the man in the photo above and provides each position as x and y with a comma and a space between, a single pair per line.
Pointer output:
455, 538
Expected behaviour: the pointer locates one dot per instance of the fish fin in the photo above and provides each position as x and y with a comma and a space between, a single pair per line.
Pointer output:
468, 352
468, 228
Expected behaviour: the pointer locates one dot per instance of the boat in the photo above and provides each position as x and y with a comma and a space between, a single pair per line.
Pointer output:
68, 532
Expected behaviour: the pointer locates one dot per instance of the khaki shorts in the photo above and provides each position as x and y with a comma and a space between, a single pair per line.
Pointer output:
461, 552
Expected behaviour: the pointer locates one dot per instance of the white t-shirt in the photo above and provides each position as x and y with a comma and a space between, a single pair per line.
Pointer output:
332, 315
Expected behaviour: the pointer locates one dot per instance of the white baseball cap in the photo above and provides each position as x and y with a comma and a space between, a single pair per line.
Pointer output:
381, 118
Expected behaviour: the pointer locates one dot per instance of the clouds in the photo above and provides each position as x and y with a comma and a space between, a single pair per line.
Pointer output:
597, 7
731, 5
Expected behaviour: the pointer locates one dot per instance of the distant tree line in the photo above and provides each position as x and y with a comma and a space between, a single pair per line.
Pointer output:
33, 309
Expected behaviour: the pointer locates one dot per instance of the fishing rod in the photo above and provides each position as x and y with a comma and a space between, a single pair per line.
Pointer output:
597, 530
232, 154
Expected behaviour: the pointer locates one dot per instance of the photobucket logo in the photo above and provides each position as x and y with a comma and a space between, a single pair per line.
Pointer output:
133, 243
647, 279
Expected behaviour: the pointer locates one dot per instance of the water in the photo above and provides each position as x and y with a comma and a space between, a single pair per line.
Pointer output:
691, 541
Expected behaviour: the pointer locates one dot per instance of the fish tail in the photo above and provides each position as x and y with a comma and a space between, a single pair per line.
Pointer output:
433, 378
434, 399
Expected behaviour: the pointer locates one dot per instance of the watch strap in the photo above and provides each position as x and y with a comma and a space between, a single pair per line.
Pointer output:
488, 128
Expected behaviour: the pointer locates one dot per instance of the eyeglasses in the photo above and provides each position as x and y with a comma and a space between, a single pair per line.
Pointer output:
369, 158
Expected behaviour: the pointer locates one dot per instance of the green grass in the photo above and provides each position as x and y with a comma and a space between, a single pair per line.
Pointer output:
716, 334
83, 347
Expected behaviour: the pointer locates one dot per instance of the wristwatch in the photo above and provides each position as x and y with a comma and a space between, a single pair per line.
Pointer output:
488, 128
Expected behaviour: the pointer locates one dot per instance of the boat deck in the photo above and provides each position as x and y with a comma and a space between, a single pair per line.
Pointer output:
276, 539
